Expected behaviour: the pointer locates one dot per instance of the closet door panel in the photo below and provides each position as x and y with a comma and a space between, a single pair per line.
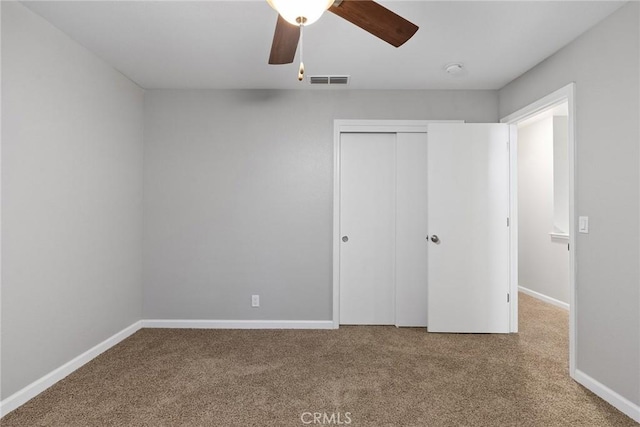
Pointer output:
367, 227
411, 229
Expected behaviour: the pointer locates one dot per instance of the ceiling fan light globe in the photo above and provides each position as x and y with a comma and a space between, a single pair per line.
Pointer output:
291, 10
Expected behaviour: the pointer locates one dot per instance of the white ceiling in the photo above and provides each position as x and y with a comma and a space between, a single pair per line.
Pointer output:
225, 44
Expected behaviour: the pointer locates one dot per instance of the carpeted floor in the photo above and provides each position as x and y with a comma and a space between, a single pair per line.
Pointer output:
360, 376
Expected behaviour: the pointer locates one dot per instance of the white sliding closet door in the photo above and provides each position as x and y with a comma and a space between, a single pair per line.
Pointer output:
411, 229
383, 226
367, 228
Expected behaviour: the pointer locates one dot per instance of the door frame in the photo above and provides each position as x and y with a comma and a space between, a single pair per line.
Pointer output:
341, 126
560, 96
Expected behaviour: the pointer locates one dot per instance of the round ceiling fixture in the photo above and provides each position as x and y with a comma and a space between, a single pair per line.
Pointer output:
299, 12
454, 69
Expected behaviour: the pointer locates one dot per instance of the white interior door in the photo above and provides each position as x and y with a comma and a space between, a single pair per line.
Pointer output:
468, 187
367, 228
411, 229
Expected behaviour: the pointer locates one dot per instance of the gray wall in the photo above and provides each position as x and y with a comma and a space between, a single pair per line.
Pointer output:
543, 264
604, 63
239, 194
71, 199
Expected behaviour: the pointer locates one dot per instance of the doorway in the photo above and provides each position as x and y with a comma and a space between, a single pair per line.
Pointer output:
543, 204
557, 99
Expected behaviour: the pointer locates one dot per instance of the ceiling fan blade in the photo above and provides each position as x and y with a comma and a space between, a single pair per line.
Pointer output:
285, 42
376, 19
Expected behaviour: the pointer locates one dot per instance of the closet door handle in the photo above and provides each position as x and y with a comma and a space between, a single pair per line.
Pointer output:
435, 239
345, 239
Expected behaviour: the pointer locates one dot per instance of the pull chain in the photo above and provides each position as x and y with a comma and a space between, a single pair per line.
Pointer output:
301, 69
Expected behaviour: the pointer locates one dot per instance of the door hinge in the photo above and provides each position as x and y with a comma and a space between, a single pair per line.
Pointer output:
508, 222
508, 298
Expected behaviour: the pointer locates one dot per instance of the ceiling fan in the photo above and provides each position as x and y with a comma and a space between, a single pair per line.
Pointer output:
294, 15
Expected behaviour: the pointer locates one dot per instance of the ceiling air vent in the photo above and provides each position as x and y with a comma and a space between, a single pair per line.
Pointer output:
329, 80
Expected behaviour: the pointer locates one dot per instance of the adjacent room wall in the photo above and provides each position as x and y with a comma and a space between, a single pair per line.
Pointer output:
604, 64
71, 199
561, 174
239, 194
543, 263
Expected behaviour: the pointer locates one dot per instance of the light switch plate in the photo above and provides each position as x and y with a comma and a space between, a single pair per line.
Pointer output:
583, 224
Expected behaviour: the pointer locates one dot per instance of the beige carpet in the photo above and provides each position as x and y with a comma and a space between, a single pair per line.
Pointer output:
370, 376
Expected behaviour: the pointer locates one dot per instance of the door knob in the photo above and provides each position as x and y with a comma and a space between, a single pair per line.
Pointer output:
435, 239
345, 238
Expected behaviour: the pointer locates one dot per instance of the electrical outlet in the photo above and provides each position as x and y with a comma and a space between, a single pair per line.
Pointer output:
255, 300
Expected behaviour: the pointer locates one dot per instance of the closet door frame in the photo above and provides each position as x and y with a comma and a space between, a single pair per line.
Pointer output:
360, 126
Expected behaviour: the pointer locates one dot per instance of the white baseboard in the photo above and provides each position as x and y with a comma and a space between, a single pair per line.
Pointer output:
32, 390
238, 324
543, 297
621, 403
